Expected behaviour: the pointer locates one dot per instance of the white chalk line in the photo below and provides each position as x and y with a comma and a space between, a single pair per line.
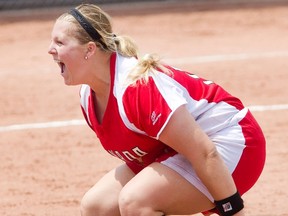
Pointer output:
226, 57
79, 122
53, 124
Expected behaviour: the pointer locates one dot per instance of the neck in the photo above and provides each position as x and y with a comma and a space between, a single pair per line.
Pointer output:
100, 80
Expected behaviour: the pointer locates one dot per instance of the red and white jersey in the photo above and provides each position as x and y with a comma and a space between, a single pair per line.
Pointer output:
137, 114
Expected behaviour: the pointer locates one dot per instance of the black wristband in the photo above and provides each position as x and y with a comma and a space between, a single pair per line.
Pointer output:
230, 205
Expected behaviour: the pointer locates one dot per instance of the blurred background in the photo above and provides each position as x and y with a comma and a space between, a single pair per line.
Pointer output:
29, 4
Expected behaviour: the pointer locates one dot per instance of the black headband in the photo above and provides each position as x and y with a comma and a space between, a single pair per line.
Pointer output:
87, 26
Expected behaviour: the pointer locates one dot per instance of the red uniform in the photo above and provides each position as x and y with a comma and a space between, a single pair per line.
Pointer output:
137, 114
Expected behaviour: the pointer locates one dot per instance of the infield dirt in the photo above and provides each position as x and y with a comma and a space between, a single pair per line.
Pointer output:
46, 171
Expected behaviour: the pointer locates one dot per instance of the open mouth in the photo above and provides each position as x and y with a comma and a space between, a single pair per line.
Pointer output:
61, 65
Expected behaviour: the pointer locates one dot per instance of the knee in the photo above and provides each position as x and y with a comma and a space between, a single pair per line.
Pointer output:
132, 203
89, 205
127, 202
98, 204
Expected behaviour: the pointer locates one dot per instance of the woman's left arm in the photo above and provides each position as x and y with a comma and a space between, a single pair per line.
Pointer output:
183, 134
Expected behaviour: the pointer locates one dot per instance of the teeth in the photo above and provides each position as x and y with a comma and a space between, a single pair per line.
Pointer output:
57, 61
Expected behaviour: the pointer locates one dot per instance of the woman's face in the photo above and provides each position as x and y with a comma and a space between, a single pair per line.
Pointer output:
68, 53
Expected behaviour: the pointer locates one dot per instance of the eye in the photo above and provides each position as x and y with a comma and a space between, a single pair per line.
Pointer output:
59, 43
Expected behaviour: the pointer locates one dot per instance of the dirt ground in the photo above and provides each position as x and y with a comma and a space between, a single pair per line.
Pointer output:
45, 171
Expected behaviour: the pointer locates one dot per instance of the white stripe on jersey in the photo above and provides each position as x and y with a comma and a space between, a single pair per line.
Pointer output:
123, 67
84, 100
217, 118
212, 117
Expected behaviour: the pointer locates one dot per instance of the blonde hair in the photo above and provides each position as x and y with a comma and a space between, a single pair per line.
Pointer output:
149, 63
123, 45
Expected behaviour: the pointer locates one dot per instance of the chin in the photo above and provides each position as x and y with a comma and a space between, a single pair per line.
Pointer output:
69, 83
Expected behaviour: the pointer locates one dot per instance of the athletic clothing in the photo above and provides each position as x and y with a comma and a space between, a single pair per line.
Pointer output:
137, 114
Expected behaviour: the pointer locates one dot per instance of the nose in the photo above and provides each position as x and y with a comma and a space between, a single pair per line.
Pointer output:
51, 49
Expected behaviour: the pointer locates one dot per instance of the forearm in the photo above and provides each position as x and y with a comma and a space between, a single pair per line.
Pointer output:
183, 134
215, 175
221, 185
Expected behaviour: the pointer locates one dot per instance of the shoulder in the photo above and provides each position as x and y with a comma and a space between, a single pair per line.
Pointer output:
123, 66
148, 105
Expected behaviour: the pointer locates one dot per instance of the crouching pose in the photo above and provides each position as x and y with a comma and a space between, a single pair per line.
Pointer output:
188, 145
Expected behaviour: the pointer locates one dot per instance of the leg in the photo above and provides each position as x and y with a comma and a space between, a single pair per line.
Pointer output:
102, 198
159, 190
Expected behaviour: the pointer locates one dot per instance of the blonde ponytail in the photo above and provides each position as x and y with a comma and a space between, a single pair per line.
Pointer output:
125, 46
148, 63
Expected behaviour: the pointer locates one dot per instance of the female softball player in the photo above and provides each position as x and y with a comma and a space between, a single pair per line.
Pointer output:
188, 145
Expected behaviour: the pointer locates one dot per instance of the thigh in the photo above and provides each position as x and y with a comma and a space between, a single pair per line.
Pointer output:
102, 198
163, 189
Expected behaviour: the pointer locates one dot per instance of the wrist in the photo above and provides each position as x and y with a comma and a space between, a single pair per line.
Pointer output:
230, 205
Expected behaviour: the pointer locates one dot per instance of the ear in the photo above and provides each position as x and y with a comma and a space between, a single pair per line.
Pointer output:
91, 49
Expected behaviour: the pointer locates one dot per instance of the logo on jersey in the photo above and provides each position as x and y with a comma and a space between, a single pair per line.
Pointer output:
155, 117
129, 155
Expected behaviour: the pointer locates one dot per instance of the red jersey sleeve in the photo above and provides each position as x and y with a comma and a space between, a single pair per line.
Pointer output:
150, 105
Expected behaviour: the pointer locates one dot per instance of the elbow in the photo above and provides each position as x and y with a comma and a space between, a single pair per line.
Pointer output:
211, 157
212, 154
